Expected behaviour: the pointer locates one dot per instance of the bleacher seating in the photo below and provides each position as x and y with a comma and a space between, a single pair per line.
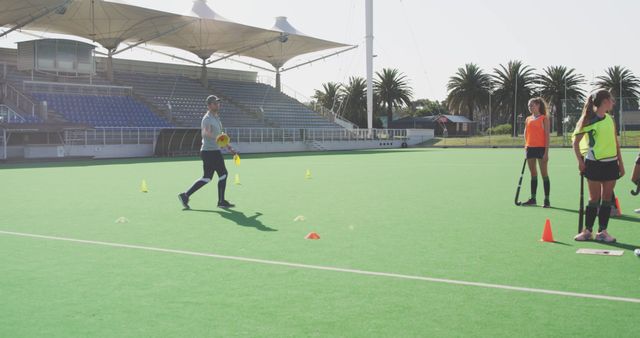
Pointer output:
276, 107
103, 111
182, 96
186, 98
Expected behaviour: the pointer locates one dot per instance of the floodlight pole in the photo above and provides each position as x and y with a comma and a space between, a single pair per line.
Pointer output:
490, 116
620, 104
515, 109
369, 38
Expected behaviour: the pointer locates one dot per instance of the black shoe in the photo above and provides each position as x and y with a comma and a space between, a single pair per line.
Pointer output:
225, 204
184, 199
547, 204
530, 202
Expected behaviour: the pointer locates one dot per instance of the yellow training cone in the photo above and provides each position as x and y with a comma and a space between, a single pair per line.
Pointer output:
143, 187
237, 180
307, 175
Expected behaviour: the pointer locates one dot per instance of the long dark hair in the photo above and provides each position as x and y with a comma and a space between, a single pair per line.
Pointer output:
594, 100
541, 103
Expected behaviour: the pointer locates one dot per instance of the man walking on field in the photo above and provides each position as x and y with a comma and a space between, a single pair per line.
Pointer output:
211, 155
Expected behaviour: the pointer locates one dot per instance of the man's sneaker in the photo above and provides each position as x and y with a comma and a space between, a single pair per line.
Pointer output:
637, 211
530, 202
603, 236
547, 204
225, 204
585, 235
184, 199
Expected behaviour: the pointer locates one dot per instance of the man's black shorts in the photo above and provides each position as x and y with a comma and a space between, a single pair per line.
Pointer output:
212, 161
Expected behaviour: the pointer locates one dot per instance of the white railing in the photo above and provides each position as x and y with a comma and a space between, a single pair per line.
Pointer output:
75, 88
7, 115
282, 135
126, 135
111, 136
14, 96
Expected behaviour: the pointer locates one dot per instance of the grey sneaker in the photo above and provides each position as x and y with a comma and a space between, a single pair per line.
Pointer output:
604, 237
585, 235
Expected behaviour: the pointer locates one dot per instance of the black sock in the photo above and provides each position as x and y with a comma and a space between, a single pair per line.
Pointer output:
603, 216
590, 215
197, 185
222, 186
534, 186
547, 186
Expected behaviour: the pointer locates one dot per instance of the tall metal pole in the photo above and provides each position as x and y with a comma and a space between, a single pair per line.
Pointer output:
515, 110
620, 104
489, 117
564, 110
369, 38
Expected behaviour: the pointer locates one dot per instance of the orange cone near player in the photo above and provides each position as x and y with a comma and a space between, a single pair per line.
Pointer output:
618, 207
547, 235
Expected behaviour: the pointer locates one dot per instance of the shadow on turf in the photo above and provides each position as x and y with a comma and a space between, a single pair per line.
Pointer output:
624, 246
622, 218
240, 218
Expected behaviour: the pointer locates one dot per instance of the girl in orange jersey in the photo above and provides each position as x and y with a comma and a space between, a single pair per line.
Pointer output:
536, 137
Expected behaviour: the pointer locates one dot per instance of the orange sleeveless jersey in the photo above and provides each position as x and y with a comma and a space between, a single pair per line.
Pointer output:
534, 132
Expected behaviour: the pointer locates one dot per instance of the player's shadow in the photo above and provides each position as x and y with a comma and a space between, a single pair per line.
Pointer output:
624, 246
241, 218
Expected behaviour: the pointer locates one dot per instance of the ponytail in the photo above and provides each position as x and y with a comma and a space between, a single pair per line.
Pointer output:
594, 100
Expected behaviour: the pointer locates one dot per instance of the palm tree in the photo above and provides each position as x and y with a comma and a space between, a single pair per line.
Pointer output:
468, 90
559, 83
329, 96
354, 98
616, 77
506, 79
393, 90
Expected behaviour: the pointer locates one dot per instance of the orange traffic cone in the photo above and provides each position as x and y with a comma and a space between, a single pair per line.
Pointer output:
618, 207
547, 235
312, 235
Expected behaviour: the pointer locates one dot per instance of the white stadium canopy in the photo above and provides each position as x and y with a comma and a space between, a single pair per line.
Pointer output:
199, 30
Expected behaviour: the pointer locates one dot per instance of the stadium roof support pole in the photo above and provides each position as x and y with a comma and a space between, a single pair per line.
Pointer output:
110, 64
203, 73
278, 83
369, 24
33, 17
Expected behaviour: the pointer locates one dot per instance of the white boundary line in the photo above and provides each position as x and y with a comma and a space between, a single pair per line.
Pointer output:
329, 268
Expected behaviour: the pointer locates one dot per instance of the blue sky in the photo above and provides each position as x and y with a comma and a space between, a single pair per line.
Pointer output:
429, 39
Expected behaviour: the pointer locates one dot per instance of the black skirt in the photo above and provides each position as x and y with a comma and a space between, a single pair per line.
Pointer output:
601, 171
535, 152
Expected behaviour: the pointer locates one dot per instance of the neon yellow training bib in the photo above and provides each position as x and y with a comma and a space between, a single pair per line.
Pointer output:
600, 139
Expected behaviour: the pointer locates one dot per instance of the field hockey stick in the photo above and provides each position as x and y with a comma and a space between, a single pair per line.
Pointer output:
581, 211
518, 203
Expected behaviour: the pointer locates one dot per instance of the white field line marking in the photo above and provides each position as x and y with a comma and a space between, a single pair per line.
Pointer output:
329, 268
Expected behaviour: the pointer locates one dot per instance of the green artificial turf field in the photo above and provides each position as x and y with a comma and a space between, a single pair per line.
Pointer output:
432, 213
